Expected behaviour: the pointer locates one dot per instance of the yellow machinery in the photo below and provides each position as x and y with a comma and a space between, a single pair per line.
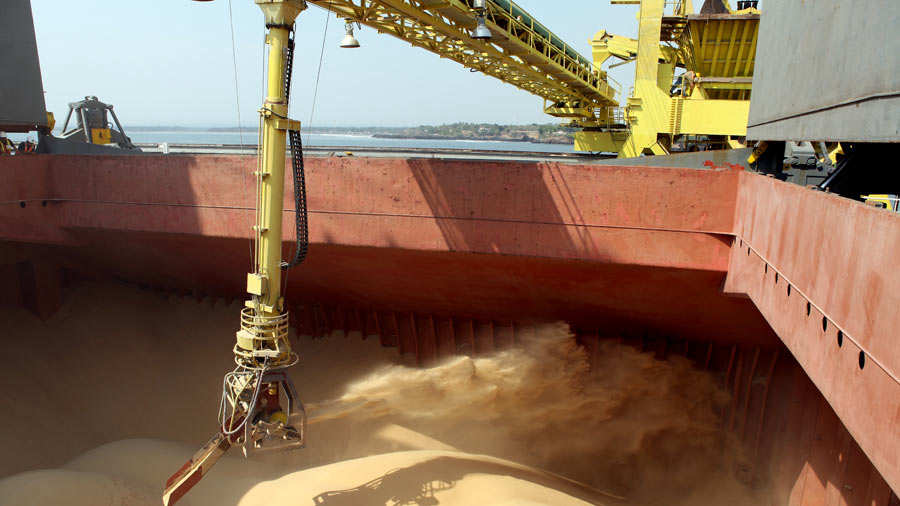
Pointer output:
703, 107
517, 50
883, 201
92, 125
259, 407
6, 146
692, 80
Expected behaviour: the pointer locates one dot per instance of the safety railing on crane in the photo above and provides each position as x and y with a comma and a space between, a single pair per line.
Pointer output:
510, 17
617, 88
520, 27
521, 50
613, 116
675, 8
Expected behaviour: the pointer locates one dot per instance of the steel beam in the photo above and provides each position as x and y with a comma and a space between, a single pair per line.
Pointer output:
522, 52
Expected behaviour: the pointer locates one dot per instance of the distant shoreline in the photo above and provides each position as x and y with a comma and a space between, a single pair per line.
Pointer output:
531, 134
462, 138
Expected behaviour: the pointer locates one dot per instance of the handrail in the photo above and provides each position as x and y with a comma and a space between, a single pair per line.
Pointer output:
523, 52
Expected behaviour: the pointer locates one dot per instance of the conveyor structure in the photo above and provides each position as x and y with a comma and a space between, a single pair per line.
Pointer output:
521, 51
692, 78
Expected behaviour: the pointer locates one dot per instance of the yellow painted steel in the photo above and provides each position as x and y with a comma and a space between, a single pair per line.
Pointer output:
600, 141
606, 45
713, 55
757, 152
259, 408
6, 146
264, 284
522, 52
723, 53
827, 152
883, 201
710, 117
707, 103
101, 136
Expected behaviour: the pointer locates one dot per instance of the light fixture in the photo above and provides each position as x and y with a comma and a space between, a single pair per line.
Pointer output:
349, 41
481, 31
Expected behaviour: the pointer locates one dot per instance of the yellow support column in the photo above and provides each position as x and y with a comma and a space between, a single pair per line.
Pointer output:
280, 16
260, 409
648, 109
264, 284
270, 177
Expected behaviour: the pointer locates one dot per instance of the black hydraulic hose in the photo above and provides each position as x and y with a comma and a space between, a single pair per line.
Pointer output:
840, 170
301, 216
288, 67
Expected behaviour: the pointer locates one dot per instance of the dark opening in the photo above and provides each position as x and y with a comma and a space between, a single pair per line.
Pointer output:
22, 204
824, 324
776, 278
840, 338
789, 290
808, 308
862, 360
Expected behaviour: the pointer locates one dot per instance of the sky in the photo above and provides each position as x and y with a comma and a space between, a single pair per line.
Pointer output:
169, 63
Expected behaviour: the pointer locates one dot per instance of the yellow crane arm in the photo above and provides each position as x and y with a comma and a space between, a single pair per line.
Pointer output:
521, 51
606, 45
259, 409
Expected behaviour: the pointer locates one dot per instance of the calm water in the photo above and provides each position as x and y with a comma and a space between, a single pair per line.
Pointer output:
361, 141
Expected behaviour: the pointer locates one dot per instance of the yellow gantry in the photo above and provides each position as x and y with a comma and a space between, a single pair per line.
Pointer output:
722, 52
264, 284
521, 52
705, 106
693, 74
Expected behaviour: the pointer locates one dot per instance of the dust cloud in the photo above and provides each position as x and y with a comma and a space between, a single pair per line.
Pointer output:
640, 428
535, 424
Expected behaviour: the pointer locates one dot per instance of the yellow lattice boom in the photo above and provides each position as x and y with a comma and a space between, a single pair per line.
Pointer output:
521, 52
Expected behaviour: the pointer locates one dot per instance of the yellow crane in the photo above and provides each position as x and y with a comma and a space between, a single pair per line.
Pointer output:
705, 106
515, 49
259, 407
692, 81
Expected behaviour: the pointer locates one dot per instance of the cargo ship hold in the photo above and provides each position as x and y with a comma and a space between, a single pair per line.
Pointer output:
785, 295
